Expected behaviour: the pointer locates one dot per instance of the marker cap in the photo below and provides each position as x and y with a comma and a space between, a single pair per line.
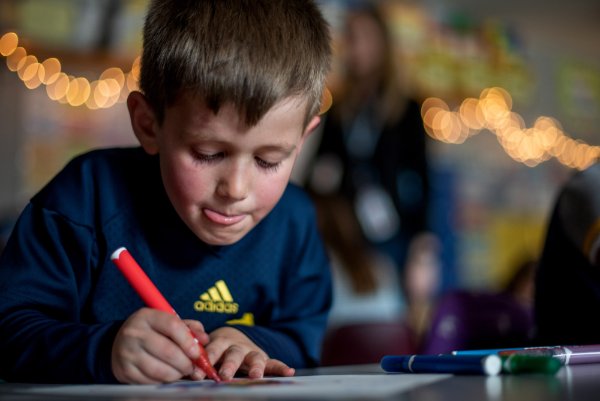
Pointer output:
519, 363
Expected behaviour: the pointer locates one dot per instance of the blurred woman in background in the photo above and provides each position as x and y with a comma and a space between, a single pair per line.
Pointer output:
373, 146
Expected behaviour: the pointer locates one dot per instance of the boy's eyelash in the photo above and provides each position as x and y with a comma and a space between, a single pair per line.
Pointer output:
204, 158
266, 165
211, 158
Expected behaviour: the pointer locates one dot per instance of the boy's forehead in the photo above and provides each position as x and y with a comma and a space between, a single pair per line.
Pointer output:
194, 108
191, 117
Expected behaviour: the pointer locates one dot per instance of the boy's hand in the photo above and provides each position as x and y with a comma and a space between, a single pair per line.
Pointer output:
155, 347
236, 352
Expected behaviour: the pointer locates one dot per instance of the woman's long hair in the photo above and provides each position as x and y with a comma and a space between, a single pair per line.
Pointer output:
391, 97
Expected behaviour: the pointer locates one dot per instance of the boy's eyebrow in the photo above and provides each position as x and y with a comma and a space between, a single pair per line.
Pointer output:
282, 148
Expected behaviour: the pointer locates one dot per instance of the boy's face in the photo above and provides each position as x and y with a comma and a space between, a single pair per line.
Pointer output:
222, 176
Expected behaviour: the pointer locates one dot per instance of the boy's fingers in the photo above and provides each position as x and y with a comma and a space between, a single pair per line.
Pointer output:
157, 371
231, 361
146, 369
179, 332
165, 338
256, 363
216, 348
275, 367
198, 329
198, 374
169, 354
129, 374
194, 325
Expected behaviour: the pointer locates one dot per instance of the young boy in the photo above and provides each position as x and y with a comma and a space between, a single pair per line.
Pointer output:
230, 89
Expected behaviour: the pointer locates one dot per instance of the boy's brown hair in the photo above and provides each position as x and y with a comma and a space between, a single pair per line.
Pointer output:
251, 53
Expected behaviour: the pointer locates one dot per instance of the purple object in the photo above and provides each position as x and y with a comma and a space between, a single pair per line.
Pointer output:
466, 320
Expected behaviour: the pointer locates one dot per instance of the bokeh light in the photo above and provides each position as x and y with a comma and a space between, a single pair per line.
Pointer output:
492, 112
8, 43
112, 86
51, 71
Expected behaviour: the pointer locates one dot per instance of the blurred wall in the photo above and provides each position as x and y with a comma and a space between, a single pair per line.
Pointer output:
10, 136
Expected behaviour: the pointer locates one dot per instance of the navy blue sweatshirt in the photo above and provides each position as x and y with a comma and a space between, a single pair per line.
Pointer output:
62, 300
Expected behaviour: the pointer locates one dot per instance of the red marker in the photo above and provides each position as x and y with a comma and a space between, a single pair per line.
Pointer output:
142, 284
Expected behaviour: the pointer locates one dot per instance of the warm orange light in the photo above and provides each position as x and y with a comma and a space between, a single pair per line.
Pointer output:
132, 82
114, 73
58, 89
99, 93
492, 111
29, 71
8, 43
13, 60
135, 68
23, 64
31, 76
51, 70
326, 101
79, 91
76, 91
471, 115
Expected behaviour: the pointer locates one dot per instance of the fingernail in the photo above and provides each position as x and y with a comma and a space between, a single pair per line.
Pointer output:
194, 351
198, 374
225, 374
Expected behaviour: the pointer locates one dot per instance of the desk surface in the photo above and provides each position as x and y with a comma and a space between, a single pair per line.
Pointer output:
574, 383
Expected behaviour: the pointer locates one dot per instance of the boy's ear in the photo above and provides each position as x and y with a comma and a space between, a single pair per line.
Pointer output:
143, 122
312, 125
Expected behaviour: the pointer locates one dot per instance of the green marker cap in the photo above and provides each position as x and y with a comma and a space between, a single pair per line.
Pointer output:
519, 363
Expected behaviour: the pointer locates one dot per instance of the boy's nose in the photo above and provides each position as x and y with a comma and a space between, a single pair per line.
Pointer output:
235, 183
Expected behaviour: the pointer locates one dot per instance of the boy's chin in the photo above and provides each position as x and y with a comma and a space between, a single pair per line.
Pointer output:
221, 239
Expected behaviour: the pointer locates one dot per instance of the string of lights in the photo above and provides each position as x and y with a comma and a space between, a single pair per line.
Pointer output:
492, 111
112, 86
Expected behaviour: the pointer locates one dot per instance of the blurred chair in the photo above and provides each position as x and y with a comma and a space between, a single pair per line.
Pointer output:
478, 320
363, 343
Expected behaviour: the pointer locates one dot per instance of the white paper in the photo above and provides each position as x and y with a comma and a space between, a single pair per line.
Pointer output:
329, 386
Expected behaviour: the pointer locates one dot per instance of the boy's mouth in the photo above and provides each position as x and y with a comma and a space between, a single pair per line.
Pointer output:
222, 219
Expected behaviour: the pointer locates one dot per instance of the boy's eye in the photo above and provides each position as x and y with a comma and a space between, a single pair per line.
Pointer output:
267, 165
200, 157
208, 157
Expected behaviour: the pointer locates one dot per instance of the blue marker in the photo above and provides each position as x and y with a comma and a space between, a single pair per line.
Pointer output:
489, 365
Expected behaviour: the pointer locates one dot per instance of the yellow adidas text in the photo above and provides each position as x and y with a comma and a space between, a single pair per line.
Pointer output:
216, 306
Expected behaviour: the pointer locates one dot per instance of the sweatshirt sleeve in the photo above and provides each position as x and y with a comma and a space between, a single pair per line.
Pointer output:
296, 331
46, 273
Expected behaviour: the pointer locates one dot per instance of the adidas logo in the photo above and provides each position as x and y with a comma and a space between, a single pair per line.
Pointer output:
217, 299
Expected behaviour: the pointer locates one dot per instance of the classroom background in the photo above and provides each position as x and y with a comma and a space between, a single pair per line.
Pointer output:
476, 68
